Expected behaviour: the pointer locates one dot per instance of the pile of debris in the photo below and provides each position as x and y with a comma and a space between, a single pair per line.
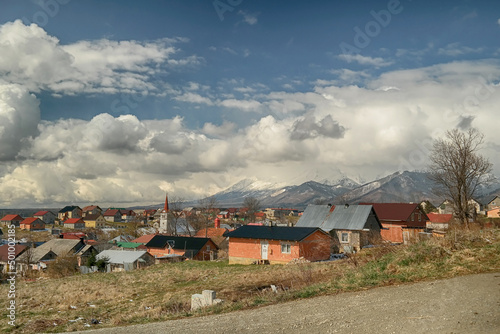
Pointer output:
299, 260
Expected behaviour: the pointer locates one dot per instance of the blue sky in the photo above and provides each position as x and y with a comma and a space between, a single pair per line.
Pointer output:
121, 101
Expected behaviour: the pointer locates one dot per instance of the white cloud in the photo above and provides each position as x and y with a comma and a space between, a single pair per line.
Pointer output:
193, 98
33, 58
364, 130
19, 118
455, 49
365, 60
251, 19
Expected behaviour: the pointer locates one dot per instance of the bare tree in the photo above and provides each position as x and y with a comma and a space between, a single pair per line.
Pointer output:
459, 170
207, 214
253, 205
176, 204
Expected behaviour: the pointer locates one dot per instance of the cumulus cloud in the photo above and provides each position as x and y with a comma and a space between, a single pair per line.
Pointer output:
308, 128
33, 58
19, 118
367, 130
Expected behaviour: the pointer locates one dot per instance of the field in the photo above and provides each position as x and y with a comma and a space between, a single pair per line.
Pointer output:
163, 292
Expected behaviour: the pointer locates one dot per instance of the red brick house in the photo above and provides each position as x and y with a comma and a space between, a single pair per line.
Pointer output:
277, 244
400, 221
11, 220
32, 224
203, 249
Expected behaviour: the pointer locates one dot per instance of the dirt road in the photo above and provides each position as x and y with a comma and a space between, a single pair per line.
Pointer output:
467, 304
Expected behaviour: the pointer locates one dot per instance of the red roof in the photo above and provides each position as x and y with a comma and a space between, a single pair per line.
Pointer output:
393, 211
12, 217
29, 221
212, 232
4, 251
111, 212
439, 218
41, 213
89, 208
73, 235
74, 221
144, 239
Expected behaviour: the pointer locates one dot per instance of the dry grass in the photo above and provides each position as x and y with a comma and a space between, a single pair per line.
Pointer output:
163, 292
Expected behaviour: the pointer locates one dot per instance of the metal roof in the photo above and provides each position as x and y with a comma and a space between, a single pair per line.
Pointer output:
342, 217
272, 232
121, 256
191, 243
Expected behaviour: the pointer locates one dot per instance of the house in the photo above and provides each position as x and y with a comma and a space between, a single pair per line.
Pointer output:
120, 260
127, 215
94, 220
277, 244
144, 239
46, 216
215, 234
493, 213
189, 247
91, 210
113, 215
492, 202
32, 224
4, 257
351, 226
129, 246
70, 211
11, 220
74, 223
438, 221
400, 221
39, 257
446, 207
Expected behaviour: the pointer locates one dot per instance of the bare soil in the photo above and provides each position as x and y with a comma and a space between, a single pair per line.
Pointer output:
466, 304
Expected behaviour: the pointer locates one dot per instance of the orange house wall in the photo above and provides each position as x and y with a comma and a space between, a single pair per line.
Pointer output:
315, 247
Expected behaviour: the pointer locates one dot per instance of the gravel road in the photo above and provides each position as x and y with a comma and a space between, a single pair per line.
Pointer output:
466, 304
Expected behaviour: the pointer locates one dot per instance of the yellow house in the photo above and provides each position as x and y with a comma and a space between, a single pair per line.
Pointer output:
94, 221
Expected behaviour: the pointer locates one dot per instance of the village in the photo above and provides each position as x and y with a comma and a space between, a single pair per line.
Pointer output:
122, 239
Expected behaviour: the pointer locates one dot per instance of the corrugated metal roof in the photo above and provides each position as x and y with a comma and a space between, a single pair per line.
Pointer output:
343, 217
272, 232
120, 256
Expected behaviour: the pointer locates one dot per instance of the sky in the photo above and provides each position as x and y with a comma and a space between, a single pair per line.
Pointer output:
120, 102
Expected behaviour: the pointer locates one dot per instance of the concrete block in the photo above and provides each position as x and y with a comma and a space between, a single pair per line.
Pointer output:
208, 296
197, 301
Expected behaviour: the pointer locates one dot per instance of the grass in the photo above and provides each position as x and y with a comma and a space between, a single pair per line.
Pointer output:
163, 292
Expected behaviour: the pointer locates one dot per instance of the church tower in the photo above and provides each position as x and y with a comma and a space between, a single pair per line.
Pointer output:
164, 217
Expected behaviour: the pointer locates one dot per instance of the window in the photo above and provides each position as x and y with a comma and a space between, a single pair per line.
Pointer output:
208, 248
412, 217
344, 237
286, 248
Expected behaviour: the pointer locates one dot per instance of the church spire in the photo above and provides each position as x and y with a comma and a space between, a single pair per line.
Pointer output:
165, 208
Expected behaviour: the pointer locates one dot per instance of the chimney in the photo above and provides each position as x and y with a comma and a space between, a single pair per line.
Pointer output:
217, 222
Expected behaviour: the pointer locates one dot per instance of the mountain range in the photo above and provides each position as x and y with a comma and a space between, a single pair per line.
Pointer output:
398, 187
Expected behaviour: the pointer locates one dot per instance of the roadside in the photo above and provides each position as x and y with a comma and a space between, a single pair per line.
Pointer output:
465, 304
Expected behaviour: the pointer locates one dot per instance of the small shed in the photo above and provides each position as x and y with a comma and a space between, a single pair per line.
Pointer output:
121, 260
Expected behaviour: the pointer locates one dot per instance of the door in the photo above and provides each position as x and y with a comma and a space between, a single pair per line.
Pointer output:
264, 246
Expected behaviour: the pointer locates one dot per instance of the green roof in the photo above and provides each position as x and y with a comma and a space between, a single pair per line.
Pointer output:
128, 244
